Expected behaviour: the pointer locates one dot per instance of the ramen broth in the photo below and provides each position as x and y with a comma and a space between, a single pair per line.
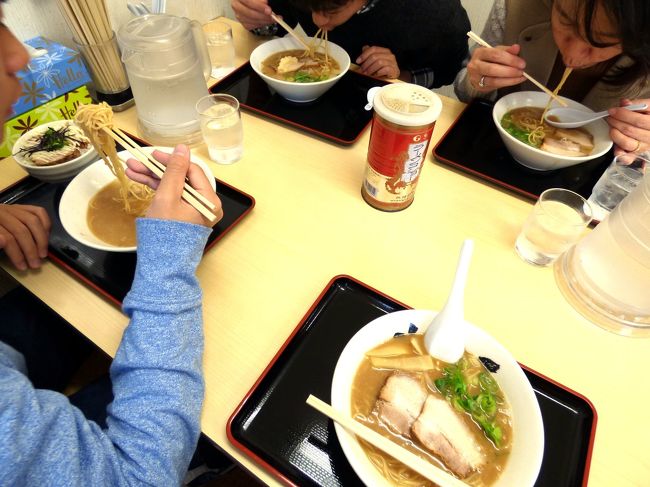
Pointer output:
297, 66
107, 218
366, 388
527, 125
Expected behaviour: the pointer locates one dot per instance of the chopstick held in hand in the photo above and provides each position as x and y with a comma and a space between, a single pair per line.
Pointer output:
292, 32
170, 188
476, 38
193, 197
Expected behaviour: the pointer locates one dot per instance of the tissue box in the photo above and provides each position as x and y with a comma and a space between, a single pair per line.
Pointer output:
63, 107
55, 72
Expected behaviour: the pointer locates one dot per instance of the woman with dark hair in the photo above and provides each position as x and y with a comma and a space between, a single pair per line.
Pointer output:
606, 42
421, 41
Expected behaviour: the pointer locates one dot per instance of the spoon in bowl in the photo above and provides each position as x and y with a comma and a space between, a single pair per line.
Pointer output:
570, 118
444, 339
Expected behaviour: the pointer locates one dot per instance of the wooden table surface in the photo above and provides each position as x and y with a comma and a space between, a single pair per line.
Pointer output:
310, 224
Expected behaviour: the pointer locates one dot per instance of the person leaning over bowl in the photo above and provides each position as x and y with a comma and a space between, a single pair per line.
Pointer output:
152, 428
606, 42
421, 41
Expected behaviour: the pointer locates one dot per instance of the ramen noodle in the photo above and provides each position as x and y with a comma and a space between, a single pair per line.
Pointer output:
528, 125
303, 65
134, 198
452, 415
524, 124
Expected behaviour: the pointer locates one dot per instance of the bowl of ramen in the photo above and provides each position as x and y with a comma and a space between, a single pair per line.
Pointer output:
54, 151
296, 75
93, 210
537, 145
477, 419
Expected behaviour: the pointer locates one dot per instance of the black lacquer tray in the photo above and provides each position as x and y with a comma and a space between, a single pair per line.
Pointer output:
298, 445
111, 273
472, 144
339, 115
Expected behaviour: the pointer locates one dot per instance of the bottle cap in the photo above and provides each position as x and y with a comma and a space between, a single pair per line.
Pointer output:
407, 104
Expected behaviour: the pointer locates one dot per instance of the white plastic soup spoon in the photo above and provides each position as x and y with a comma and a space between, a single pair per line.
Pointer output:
444, 339
570, 118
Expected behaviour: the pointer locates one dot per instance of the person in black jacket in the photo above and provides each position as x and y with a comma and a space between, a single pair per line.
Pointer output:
420, 41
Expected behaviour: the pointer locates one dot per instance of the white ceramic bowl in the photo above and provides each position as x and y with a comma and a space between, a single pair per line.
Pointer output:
527, 450
58, 172
74, 201
538, 159
297, 92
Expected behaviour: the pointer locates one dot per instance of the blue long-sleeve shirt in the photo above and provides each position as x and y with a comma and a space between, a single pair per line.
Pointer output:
154, 420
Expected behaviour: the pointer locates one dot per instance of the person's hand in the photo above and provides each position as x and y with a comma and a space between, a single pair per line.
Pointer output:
379, 62
252, 13
630, 131
24, 231
167, 203
491, 68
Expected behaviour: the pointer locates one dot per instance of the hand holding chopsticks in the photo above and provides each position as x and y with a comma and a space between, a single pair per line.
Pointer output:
483, 43
205, 207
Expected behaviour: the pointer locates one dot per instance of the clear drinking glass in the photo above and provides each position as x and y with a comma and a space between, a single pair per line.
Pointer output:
218, 36
221, 127
617, 181
556, 222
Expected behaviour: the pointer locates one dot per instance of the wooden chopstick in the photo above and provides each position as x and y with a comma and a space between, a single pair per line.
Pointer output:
480, 41
130, 144
414, 462
286, 27
156, 169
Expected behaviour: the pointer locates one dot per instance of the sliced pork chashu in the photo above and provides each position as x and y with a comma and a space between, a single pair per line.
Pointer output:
400, 402
440, 429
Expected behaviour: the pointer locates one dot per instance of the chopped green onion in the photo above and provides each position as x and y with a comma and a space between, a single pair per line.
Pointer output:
482, 407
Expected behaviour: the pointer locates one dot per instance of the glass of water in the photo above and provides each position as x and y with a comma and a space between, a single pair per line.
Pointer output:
221, 127
556, 222
622, 175
218, 35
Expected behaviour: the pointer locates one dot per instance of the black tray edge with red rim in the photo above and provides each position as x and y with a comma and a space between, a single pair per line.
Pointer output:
21, 191
487, 158
241, 439
259, 99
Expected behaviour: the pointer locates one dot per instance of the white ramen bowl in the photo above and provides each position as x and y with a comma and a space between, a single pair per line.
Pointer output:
57, 172
292, 91
538, 159
524, 463
73, 207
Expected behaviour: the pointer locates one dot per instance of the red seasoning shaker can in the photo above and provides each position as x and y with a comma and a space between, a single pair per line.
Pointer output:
405, 115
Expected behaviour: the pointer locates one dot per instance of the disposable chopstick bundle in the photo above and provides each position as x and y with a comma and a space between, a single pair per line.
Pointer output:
476, 38
193, 197
90, 25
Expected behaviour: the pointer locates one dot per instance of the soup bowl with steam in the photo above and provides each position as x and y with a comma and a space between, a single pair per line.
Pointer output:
538, 159
291, 90
73, 207
527, 447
